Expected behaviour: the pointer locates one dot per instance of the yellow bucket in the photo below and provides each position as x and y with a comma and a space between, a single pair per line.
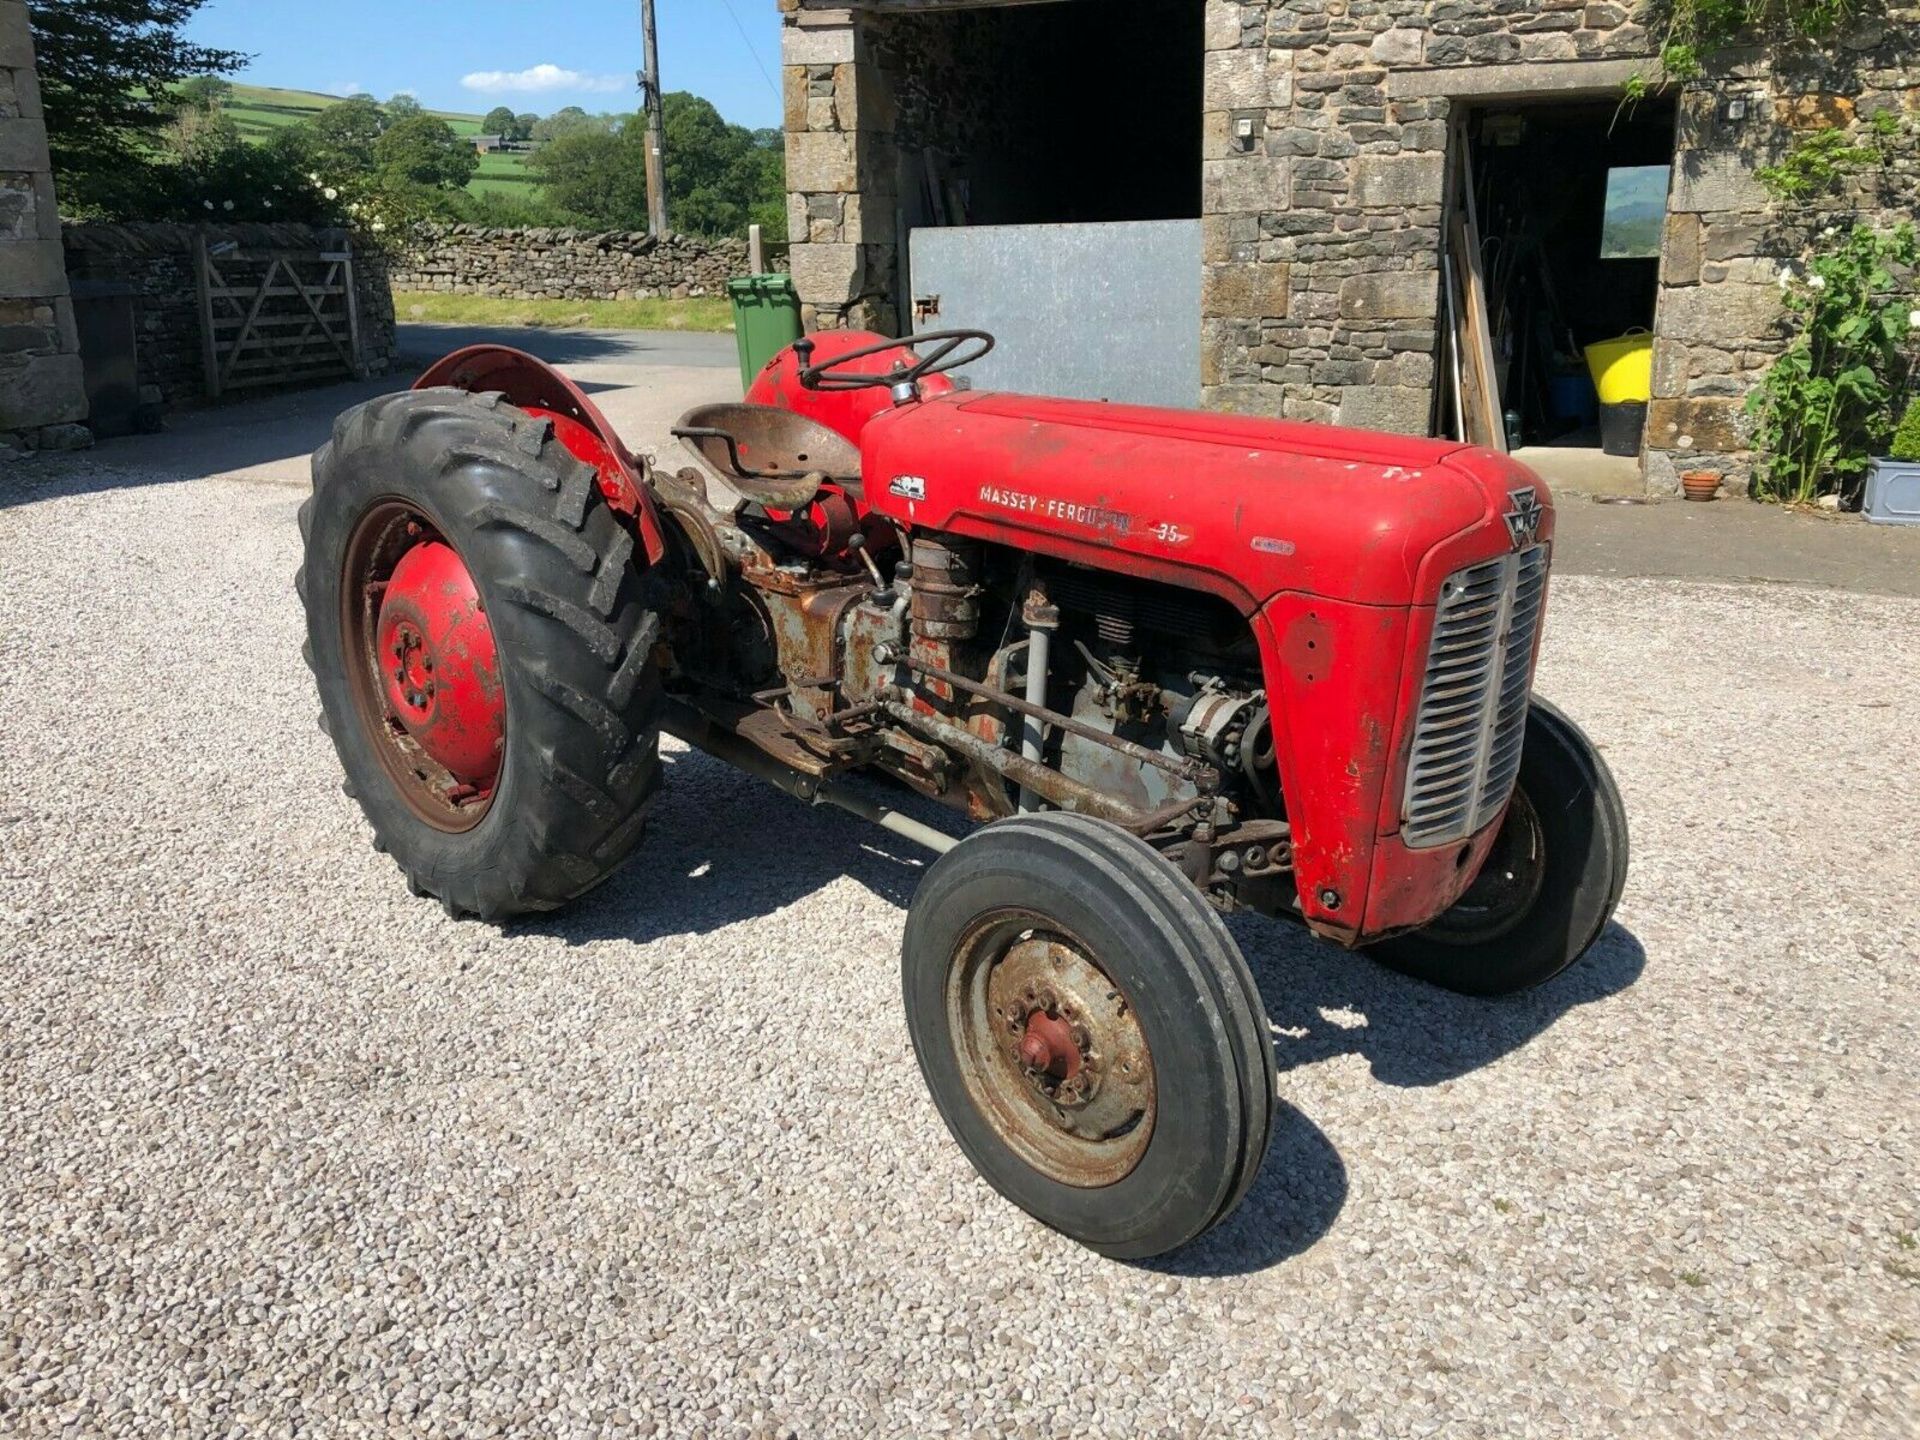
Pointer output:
1623, 368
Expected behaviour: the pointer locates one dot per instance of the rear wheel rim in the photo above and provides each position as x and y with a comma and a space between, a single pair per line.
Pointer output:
1050, 1050
422, 666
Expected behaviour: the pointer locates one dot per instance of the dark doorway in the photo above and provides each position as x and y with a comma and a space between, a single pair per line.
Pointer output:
1074, 111
1570, 200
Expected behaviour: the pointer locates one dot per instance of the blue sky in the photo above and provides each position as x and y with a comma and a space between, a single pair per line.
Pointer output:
538, 55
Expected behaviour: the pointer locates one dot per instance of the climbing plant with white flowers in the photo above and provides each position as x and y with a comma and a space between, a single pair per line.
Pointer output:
1829, 403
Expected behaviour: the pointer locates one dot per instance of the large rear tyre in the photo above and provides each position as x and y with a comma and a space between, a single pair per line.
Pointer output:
1089, 1031
1550, 883
483, 651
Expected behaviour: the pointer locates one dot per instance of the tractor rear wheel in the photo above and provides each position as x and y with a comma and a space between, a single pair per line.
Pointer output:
1089, 1031
483, 650
1550, 883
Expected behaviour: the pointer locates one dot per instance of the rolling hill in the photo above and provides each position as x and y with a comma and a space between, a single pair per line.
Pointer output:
258, 110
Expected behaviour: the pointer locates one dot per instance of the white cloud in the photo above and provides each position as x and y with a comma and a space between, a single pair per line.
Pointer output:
345, 87
539, 79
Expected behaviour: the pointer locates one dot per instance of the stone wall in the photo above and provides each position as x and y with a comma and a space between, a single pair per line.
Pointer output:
1720, 320
1324, 162
548, 264
157, 261
42, 393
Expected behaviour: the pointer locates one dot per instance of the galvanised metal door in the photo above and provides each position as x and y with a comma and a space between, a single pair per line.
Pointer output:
1091, 312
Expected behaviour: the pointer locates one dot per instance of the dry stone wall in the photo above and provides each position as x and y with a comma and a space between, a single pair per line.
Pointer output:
554, 264
156, 261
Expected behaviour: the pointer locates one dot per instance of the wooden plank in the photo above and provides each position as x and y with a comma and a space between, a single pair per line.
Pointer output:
240, 340
268, 322
278, 292
346, 357
1474, 301
209, 353
356, 360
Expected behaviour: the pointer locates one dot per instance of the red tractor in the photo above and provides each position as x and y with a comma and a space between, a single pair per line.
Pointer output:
1175, 664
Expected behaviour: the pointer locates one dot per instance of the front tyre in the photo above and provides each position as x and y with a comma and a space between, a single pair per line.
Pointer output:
1550, 883
1089, 1032
482, 649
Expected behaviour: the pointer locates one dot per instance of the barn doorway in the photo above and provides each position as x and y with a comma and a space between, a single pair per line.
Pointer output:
1567, 204
1048, 185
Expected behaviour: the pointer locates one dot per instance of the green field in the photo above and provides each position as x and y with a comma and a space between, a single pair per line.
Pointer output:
709, 314
257, 111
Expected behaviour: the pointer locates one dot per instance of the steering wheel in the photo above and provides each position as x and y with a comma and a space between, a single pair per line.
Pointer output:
832, 375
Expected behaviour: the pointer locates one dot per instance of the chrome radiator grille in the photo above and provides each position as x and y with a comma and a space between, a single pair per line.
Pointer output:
1473, 701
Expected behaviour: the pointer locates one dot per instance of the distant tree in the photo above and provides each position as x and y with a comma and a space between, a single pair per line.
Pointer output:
720, 177
401, 107
204, 92
499, 121
344, 134
107, 68
597, 174
422, 150
562, 122
717, 174
363, 95
198, 136
523, 126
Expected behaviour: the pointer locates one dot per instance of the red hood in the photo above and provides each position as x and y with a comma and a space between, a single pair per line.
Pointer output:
1255, 506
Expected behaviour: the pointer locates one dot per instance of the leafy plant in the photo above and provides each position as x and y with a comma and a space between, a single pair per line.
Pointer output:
1691, 30
1817, 163
107, 73
1906, 435
1823, 405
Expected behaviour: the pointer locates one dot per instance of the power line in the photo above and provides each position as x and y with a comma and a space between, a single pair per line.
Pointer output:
746, 40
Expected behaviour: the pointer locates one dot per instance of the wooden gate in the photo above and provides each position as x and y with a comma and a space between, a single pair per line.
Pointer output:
276, 316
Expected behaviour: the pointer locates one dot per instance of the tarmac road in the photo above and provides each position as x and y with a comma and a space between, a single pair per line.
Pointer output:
284, 1150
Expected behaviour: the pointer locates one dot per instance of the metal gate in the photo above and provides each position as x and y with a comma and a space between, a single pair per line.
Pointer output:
1092, 312
275, 316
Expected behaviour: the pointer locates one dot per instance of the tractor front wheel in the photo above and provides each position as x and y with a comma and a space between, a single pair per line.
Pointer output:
1089, 1031
482, 648
1550, 883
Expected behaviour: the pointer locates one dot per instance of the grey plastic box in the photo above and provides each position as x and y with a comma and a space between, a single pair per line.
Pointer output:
1893, 493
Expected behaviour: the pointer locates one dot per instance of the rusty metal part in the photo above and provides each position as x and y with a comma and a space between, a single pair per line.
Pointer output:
422, 666
1048, 783
805, 616
946, 587
1194, 771
701, 731
1050, 1050
776, 458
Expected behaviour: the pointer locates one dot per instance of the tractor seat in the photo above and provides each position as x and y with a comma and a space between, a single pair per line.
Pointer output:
772, 458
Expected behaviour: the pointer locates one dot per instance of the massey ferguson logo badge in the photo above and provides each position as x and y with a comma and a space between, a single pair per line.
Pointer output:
1523, 518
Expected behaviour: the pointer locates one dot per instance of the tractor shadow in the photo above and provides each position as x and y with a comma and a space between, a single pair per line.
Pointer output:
1325, 1003
724, 849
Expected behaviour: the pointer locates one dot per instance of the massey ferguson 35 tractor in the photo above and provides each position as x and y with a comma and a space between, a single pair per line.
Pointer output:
1175, 664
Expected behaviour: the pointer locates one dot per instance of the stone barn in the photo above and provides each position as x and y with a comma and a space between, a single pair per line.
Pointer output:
1259, 205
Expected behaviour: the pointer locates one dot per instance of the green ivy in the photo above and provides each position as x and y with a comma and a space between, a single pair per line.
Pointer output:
1691, 30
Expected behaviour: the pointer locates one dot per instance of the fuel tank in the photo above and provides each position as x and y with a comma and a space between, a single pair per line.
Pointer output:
1243, 508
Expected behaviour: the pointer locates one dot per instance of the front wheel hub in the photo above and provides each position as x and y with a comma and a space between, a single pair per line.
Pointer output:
1052, 1053
440, 674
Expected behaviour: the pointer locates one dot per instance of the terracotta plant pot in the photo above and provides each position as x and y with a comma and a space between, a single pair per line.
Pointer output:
1700, 484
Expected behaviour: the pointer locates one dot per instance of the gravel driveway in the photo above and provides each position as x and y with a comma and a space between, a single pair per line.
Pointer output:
284, 1151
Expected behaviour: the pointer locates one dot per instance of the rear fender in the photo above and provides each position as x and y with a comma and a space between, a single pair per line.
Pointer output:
536, 387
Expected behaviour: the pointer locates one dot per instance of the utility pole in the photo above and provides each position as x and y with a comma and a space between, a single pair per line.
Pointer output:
656, 125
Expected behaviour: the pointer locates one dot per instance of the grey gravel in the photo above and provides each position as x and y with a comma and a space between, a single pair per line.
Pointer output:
284, 1151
